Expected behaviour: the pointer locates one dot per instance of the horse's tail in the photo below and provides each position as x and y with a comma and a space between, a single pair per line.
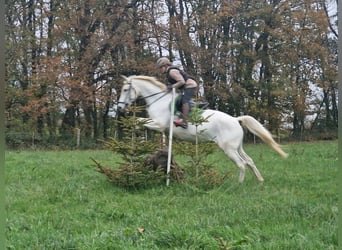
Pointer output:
256, 128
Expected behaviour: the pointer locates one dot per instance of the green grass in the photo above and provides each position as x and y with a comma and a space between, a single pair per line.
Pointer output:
57, 200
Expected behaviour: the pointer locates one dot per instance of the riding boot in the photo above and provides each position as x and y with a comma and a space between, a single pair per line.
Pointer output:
183, 122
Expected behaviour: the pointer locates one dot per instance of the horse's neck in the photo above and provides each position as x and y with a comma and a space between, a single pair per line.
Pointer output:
158, 105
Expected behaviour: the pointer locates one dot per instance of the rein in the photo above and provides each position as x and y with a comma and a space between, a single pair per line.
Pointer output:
145, 97
165, 93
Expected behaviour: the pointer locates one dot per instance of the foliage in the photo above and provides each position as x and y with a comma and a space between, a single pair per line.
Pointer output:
132, 176
54, 201
200, 172
134, 170
274, 60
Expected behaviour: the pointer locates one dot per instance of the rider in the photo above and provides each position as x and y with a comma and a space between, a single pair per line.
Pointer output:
182, 81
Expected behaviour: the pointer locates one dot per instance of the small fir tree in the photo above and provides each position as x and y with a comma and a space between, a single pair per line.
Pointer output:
137, 169
201, 172
131, 172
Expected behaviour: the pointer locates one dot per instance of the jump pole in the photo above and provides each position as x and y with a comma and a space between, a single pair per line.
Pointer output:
169, 155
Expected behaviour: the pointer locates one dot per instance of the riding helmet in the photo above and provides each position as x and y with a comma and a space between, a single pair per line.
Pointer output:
162, 62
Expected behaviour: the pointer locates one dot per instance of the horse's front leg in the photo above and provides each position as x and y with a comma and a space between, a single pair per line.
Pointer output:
152, 124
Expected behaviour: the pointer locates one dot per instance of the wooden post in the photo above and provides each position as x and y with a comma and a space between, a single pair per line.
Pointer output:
78, 137
33, 139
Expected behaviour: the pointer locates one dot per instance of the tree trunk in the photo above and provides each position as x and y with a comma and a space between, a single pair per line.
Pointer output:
69, 122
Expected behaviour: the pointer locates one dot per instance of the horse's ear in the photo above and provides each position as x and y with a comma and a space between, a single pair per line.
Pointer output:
124, 77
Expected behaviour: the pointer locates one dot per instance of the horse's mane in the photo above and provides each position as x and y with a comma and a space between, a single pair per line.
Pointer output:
151, 79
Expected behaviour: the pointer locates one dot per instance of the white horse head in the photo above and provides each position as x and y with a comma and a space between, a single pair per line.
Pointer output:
221, 128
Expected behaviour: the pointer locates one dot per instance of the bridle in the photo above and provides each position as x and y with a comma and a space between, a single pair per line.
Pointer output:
128, 96
141, 97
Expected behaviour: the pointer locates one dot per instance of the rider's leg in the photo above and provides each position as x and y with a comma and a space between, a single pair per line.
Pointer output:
183, 122
185, 111
188, 94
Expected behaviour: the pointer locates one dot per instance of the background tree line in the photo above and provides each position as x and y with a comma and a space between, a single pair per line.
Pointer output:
275, 60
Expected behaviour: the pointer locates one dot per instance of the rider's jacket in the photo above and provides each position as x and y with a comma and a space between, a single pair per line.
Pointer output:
185, 75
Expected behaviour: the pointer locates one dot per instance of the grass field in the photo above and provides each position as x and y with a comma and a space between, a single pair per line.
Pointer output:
57, 200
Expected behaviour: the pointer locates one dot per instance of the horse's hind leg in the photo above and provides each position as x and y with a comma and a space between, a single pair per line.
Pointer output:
251, 164
236, 158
